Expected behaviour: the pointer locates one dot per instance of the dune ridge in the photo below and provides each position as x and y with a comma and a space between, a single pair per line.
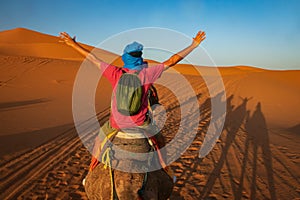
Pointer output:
25, 42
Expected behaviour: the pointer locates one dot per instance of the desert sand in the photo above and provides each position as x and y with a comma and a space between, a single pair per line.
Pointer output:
42, 157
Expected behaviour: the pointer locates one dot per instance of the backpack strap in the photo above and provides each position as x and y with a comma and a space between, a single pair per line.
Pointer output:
124, 71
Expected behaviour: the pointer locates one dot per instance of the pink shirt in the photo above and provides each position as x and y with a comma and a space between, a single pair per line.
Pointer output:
147, 76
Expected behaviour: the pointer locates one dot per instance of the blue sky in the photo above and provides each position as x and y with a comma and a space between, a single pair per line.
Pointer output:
262, 33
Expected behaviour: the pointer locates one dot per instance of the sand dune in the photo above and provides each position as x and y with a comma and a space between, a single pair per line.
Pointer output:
256, 157
24, 42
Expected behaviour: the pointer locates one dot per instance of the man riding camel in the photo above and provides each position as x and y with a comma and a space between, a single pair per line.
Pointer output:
123, 122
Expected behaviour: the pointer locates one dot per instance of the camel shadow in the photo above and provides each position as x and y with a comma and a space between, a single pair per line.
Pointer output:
242, 134
256, 134
233, 167
234, 120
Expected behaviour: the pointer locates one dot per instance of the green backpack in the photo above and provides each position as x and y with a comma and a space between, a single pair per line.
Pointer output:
129, 94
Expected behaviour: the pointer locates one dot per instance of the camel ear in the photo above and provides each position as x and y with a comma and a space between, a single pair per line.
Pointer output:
246, 98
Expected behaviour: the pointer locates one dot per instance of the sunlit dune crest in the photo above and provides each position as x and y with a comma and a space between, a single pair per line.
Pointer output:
24, 42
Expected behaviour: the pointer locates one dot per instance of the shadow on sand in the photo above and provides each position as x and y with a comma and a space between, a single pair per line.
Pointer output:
256, 132
31, 139
243, 134
4, 106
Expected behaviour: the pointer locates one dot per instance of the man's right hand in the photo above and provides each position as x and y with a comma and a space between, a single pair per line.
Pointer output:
173, 60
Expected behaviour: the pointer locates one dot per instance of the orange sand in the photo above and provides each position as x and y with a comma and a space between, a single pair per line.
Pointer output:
257, 156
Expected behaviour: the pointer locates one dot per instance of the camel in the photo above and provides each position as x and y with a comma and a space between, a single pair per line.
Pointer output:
107, 183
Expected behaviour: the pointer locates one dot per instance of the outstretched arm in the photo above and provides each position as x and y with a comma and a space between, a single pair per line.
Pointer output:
173, 60
66, 38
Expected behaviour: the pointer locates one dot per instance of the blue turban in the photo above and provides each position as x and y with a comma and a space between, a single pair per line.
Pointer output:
130, 62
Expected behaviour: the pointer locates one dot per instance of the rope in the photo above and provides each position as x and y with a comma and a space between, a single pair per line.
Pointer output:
106, 160
107, 163
142, 190
107, 138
